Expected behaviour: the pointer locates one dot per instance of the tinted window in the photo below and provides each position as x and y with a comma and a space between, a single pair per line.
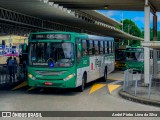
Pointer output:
96, 47
105, 45
84, 47
90, 47
101, 47
108, 47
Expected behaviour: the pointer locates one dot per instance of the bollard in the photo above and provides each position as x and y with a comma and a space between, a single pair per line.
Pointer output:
127, 77
124, 81
149, 88
136, 84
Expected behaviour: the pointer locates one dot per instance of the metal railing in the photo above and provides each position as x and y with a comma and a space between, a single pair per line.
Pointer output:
134, 85
11, 74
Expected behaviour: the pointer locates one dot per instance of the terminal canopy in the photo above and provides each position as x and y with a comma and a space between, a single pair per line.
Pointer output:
87, 21
108, 4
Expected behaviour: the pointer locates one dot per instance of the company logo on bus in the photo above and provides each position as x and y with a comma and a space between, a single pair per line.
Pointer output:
98, 63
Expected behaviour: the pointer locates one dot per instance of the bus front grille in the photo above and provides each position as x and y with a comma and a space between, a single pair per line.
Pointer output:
50, 73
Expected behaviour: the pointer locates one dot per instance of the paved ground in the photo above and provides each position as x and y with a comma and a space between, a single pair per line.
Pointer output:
62, 100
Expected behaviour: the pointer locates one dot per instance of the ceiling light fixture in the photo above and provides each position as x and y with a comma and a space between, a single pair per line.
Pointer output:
106, 6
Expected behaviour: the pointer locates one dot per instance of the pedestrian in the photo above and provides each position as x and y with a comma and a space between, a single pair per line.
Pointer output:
24, 69
10, 68
15, 63
7, 60
20, 59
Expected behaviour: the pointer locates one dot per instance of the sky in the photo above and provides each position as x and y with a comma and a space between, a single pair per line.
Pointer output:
137, 17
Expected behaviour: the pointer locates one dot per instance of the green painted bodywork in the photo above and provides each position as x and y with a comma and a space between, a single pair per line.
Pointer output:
57, 80
139, 66
84, 62
136, 65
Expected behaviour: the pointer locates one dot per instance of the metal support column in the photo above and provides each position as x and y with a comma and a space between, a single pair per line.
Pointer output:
155, 65
147, 39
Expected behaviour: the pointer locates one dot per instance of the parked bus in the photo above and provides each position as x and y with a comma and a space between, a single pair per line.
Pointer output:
135, 58
120, 58
68, 60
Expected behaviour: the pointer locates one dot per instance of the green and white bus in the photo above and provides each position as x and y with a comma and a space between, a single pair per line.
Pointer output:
68, 59
135, 58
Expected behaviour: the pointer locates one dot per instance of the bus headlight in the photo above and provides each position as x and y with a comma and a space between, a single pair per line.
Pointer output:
31, 76
69, 77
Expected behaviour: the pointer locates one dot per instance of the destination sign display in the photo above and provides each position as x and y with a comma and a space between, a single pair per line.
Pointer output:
39, 63
135, 49
51, 36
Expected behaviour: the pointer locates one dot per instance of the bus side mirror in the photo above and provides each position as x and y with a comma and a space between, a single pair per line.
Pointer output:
79, 47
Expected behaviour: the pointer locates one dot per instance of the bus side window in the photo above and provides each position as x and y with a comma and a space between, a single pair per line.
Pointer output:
87, 47
78, 52
96, 47
108, 47
84, 47
101, 47
113, 48
90, 47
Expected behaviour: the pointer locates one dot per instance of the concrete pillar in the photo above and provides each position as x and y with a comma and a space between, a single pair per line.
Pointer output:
155, 64
146, 39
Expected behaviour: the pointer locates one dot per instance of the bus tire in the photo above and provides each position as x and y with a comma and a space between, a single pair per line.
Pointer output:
84, 79
105, 75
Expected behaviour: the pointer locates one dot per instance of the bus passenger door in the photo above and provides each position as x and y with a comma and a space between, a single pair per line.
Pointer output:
78, 61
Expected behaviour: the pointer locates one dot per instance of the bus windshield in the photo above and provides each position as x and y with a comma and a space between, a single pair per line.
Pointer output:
120, 55
135, 56
51, 54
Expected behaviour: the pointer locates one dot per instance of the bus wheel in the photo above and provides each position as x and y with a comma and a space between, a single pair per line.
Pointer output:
105, 75
84, 79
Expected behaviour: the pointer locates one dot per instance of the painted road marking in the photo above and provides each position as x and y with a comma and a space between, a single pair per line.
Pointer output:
31, 88
23, 84
111, 88
96, 87
115, 78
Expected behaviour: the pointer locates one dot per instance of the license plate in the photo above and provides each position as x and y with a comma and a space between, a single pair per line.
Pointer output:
48, 83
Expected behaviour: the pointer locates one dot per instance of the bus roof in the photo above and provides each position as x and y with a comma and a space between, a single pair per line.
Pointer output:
83, 35
99, 37
53, 32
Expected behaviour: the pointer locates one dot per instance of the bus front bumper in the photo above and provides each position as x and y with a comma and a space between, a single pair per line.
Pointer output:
52, 83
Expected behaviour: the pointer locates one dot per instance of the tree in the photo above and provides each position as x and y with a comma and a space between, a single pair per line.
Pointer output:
130, 27
151, 34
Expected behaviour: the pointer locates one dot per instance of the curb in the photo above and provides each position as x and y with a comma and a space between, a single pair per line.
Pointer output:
130, 97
